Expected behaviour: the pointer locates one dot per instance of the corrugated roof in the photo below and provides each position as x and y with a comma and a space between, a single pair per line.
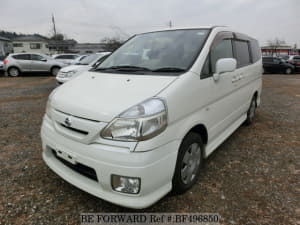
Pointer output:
4, 39
30, 38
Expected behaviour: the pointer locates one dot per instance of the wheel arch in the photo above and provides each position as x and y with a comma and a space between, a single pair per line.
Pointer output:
201, 130
13, 66
255, 95
55, 66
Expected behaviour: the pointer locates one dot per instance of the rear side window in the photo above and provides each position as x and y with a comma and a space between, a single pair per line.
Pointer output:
66, 57
276, 60
36, 57
242, 53
267, 60
255, 50
297, 59
22, 57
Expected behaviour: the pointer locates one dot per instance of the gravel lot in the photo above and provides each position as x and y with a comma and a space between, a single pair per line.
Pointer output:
253, 177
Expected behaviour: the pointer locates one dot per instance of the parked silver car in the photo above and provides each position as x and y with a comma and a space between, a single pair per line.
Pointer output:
14, 64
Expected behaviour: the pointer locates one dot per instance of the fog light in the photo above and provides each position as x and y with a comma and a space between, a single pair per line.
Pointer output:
129, 185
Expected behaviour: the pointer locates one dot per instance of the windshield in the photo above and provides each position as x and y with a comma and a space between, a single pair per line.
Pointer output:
88, 59
171, 51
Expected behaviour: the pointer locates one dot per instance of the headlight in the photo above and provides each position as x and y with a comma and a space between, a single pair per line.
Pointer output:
71, 73
48, 106
140, 122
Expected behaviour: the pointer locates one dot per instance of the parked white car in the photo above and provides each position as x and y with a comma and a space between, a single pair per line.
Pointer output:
78, 59
67, 59
86, 64
144, 120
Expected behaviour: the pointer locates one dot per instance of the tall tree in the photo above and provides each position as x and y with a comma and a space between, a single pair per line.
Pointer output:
112, 43
275, 44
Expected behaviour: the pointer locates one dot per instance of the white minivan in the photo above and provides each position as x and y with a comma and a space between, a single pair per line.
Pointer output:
142, 122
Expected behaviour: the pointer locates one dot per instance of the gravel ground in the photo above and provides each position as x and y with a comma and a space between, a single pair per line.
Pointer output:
253, 177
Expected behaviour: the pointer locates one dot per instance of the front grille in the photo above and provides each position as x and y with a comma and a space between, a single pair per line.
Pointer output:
79, 117
79, 168
75, 130
62, 74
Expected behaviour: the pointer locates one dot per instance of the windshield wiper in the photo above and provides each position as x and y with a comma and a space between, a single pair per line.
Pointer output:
169, 69
124, 68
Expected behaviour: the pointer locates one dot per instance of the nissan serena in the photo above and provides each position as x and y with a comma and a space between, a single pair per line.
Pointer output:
141, 123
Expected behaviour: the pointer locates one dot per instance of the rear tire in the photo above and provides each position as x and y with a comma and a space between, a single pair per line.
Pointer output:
251, 112
288, 71
13, 72
54, 70
189, 163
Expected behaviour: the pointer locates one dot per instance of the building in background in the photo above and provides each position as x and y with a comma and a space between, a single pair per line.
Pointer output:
280, 50
89, 48
31, 43
6, 47
62, 46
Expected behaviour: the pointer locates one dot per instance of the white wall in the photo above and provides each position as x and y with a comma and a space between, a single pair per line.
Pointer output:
26, 47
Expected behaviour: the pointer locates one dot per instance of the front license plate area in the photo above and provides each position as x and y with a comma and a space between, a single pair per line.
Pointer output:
66, 156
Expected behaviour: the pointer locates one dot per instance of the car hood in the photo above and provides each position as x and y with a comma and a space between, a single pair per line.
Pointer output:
74, 67
103, 96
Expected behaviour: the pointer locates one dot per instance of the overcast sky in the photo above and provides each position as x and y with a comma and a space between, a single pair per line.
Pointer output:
92, 20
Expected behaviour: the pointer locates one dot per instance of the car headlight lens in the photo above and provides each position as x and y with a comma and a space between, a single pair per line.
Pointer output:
71, 73
140, 122
48, 106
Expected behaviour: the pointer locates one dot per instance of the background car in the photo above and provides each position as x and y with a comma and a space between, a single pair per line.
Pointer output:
67, 59
277, 65
17, 63
86, 64
295, 61
78, 59
1, 65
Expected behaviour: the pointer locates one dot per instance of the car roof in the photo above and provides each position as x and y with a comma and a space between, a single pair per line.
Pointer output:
66, 54
184, 28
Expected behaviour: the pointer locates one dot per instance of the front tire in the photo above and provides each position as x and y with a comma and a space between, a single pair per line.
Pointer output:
189, 163
54, 71
13, 72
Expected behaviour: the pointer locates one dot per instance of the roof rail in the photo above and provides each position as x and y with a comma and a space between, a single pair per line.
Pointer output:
218, 26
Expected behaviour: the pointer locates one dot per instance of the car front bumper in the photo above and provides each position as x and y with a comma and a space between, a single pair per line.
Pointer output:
155, 168
62, 80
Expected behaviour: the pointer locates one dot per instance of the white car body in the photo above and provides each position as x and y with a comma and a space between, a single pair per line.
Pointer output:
72, 71
78, 59
217, 105
66, 58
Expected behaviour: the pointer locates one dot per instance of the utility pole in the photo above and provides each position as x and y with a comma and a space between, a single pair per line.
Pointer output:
54, 28
54, 32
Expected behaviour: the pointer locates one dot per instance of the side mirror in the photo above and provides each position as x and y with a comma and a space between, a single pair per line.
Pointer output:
224, 65
44, 60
